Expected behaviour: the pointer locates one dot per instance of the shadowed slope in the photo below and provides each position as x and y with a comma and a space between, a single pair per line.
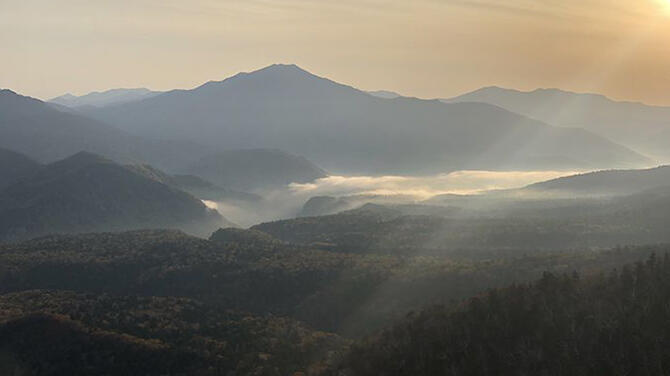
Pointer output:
86, 192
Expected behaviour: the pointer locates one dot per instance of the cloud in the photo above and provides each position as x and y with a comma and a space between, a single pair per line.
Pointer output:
288, 202
460, 182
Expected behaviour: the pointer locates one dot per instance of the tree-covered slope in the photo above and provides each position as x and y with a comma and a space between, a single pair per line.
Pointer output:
175, 335
86, 192
609, 324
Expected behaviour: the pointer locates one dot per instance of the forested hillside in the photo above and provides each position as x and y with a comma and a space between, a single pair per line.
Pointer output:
341, 292
484, 226
130, 335
612, 323
86, 192
286, 308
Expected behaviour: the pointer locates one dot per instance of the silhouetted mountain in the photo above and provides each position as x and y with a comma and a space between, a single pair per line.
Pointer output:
46, 134
255, 169
384, 94
86, 192
635, 125
603, 183
342, 128
14, 166
105, 98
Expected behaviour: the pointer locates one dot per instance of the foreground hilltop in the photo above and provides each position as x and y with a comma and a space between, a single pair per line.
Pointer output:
239, 303
614, 324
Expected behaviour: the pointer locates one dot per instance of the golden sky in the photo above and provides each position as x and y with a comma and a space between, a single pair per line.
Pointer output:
424, 48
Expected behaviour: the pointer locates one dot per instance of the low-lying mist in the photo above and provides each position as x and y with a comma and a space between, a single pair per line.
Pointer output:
288, 202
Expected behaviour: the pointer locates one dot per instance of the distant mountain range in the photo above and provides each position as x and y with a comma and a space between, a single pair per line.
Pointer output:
642, 127
46, 134
86, 192
105, 98
347, 130
384, 94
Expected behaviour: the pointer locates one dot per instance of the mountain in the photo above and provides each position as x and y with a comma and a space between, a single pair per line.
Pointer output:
326, 205
14, 166
105, 98
195, 185
344, 129
635, 125
604, 183
384, 94
86, 192
255, 169
47, 134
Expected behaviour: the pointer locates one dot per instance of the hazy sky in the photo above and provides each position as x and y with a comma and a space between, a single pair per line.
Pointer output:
424, 48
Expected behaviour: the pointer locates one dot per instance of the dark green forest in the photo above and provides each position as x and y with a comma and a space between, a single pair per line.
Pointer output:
613, 323
246, 303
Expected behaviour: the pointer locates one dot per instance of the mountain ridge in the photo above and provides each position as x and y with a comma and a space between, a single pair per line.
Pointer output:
46, 134
345, 129
104, 98
634, 124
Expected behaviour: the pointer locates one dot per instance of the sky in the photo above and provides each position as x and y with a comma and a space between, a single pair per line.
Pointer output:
422, 48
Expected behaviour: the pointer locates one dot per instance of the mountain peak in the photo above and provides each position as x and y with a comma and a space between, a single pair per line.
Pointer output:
7, 92
64, 96
280, 71
283, 68
82, 159
105, 98
273, 77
